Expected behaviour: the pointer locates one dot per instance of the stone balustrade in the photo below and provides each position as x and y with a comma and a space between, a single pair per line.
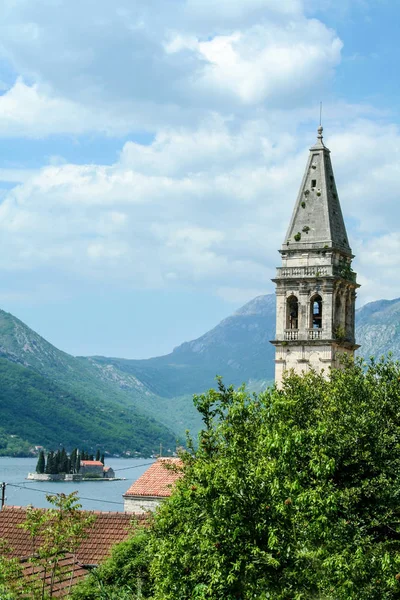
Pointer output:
314, 334
291, 334
304, 271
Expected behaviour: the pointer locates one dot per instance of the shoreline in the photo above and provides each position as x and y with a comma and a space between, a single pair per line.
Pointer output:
66, 478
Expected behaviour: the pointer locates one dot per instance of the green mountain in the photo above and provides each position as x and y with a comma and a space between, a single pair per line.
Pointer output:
48, 397
238, 348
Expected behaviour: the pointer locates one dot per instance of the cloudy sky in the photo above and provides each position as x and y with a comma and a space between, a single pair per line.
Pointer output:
151, 152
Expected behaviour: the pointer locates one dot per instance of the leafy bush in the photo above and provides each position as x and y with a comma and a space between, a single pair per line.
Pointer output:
293, 493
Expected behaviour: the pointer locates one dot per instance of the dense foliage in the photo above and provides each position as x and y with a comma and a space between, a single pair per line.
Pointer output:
292, 494
39, 411
126, 572
13, 445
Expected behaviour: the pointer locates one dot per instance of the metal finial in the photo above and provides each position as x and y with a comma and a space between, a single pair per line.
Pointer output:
320, 128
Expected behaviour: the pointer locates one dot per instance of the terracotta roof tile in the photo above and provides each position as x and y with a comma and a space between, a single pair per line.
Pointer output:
91, 463
107, 529
158, 480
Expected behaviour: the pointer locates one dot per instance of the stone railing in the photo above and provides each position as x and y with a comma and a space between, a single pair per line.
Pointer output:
295, 272
291, 334
314, 334
326, 271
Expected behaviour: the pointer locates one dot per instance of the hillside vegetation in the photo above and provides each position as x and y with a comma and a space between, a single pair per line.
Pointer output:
48, 397
135, 405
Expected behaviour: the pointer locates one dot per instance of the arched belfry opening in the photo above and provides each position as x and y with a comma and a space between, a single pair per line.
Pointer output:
292, 313
316, 312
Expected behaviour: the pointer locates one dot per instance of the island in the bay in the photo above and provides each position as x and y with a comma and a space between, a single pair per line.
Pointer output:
76, 466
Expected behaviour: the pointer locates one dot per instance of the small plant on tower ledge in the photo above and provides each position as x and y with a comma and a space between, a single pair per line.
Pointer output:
340, 333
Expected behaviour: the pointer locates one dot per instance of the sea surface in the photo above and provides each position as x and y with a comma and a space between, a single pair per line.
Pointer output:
93, 495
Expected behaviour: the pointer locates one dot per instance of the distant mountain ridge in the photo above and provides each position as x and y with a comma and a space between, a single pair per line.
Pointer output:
138, 403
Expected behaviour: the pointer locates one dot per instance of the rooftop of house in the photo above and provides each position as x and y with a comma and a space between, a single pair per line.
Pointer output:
91, 463
158, 480
107, 529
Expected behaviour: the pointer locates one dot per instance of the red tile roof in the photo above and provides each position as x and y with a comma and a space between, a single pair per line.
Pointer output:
158, 480
107, 529
91, 463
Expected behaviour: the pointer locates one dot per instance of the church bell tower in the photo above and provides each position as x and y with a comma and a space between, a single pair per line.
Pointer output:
315, 286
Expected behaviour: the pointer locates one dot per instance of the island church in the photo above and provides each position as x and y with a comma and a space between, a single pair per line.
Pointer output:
315, 286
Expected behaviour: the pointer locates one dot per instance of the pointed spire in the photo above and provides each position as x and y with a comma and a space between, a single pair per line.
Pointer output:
317, 220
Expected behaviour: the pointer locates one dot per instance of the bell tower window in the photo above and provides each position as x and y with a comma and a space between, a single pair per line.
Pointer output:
292, 313
316, 312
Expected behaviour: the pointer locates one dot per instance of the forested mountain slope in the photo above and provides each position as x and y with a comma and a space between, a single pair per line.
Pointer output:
129, 402
48, 397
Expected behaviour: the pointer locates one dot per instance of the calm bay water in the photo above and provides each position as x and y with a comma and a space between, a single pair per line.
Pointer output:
103, 495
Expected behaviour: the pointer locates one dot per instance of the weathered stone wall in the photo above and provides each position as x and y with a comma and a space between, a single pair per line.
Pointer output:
45, 477
141, 504
91, 470
303, 358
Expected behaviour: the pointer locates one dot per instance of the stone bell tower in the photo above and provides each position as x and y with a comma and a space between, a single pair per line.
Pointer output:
315, 286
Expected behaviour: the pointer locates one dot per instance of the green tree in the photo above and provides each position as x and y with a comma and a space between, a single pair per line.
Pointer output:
63, 464
57, 461
41, 463
55, 532
11, 580
73, 460
102, 459
50, 463
97, 454
124, 574
291, 494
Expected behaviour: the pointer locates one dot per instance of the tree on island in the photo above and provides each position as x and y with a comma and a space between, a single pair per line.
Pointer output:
41, 463
98, 454
291, 493
61, 463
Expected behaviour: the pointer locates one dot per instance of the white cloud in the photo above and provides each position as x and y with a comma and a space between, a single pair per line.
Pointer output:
267, 63
226, 86
32, 111
124, 66
169, 214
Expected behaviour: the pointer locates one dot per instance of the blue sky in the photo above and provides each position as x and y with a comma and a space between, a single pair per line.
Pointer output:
151, 153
